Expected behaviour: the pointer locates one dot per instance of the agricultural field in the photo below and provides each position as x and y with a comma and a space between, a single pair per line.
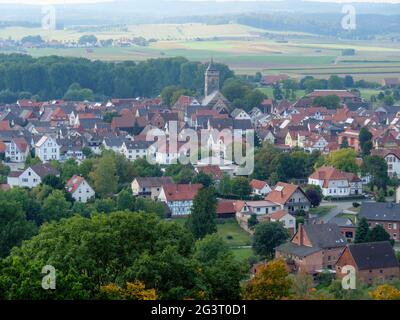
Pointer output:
246, 50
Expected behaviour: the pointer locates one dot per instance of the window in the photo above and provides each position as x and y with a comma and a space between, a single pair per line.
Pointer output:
389, 226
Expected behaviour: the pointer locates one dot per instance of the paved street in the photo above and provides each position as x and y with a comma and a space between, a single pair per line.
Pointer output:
339, 207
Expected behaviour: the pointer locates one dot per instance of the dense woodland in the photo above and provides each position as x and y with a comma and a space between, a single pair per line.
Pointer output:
51, 77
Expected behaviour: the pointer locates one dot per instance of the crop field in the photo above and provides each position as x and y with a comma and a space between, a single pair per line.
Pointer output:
246, 50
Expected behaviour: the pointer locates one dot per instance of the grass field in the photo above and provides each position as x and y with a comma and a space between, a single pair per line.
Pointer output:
237, 239
246, 50
321, 211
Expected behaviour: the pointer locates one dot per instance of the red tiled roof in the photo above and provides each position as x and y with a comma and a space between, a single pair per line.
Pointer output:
278, 214
339, 93
5, 125
214, 171
330, 173
181, 192
257, 184
225, 206
282, 192
21, 143
74, 183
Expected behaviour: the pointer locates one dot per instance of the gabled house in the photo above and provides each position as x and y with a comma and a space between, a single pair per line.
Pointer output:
47, 149
240, 114
259, 187
17, 149
392, 158
149, 186
133, 150
372, 261
80, 189
31, 176
336, 183
179, 197
287, 220
313, 249
290, 196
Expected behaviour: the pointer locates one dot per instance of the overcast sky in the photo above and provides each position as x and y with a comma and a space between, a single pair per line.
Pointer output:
41, 2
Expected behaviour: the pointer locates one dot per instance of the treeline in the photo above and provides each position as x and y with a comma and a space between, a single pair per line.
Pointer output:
22, 76
368, 25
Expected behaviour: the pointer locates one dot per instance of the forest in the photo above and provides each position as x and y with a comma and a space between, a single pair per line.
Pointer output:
45, 78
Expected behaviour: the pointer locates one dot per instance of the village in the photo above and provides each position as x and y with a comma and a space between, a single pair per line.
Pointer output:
321, 212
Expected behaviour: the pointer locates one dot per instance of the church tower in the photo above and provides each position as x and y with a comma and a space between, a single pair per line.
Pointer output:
211, 79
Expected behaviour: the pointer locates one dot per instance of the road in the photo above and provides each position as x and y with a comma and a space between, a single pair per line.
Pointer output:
339, 207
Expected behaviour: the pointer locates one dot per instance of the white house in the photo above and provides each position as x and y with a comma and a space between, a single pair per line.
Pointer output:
17, 149
179, 197
259, 187
79, 189
288, 221
240, 114
315, 142
336, 183
392, 158
32, 176
133, 150
149, 186
47, 149
259, 208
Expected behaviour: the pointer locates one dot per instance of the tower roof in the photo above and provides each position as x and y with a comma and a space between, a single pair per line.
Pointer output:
211, 66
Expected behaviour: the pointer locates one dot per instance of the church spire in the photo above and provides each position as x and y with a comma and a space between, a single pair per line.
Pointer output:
211, 79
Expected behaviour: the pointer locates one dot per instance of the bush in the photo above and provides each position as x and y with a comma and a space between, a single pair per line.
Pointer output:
356, 204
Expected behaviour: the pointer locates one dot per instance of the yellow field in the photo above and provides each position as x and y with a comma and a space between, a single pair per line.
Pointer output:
246, 50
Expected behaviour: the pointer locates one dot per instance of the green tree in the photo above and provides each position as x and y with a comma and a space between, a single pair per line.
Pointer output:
55, 207
105, 177
345, 143
314, 193
362, 231
343, 159
335, 82
202, 220
241, 187
378, 233
14, 227
53, 181
277, 92
271, 282
221, 270
267, 236
365, 138
376, 167
330, 102
89, 253
125, 201
252, 221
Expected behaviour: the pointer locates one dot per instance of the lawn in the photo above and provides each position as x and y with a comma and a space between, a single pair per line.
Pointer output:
236, 238
243, 254
234, 235
269, 92
321, 211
